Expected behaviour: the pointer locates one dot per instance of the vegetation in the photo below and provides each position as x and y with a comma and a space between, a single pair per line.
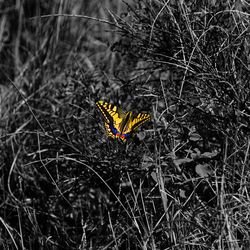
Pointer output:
182, 182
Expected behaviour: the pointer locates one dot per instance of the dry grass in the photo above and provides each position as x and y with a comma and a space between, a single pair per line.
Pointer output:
183, 183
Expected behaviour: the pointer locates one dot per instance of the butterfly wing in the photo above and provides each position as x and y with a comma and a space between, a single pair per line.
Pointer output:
135, 122
113, 117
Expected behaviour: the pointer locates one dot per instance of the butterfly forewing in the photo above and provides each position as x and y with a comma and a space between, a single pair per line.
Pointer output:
113, 117
110, 112
137, 121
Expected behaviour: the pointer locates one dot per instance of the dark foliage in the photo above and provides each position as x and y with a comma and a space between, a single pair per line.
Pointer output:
182, 183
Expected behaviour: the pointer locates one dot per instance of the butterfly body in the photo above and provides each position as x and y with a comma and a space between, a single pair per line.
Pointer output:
120, 124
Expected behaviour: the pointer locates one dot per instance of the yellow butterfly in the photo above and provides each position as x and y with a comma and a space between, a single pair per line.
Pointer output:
120, 124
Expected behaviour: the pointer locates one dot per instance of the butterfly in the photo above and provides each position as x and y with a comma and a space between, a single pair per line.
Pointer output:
120, 124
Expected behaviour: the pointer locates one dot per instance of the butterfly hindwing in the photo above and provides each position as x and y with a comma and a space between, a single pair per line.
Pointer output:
109, 130
120, 124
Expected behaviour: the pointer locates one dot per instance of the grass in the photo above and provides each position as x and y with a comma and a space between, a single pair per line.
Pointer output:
182, 183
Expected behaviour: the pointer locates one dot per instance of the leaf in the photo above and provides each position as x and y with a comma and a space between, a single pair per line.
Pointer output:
181, 161
209, 154
182, 193
195, 137
203, 170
